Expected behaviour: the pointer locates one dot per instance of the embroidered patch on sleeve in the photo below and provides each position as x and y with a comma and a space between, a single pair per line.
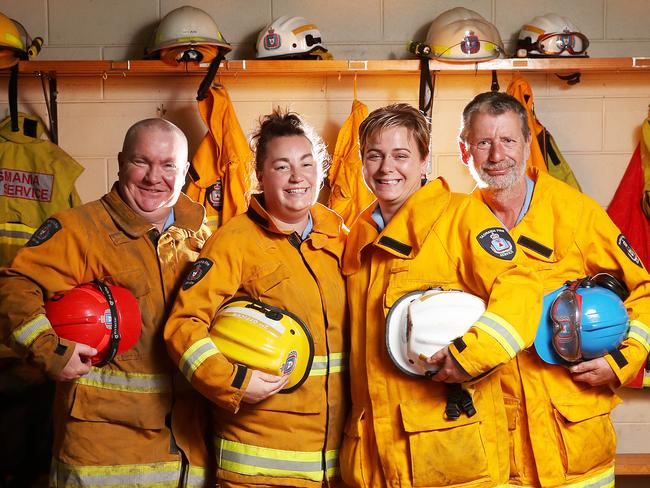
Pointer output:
198, 271
626, 247
497, 242
47, 229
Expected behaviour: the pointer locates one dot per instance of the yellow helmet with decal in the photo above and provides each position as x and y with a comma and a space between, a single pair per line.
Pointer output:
264, 338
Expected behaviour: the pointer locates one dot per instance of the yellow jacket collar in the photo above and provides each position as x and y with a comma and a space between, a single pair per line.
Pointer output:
406, 232
326, 223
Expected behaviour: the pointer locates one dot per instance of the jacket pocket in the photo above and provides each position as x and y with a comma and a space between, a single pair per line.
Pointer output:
587, 435
351, 453
139, 410
514, 433
443, 452
266, 278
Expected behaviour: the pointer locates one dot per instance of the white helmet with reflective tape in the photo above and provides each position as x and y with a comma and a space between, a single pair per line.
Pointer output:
264, 338
187, 34
551, 35
290, 37
421, 323
463, 35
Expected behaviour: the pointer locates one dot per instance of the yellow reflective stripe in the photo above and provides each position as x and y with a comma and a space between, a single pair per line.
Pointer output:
263, 461
640, 332
195, 355
142, 475
646, 379
332, 463
323, 365
500, 330
338, 362
15, 233
29, 331
601, 480
196, 477
131, 382
304, 28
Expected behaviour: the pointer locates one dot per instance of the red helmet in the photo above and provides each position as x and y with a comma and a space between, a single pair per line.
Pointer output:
102, 316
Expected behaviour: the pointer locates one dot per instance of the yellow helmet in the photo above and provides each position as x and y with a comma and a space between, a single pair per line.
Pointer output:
264, 338
12, 44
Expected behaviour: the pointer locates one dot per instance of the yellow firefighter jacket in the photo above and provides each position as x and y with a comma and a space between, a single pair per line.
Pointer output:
397, 434
221, 164
350, 194
36, 179
561, 431
112, 427
288, 439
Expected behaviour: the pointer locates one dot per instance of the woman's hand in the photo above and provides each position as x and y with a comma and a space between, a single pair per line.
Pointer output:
263, 385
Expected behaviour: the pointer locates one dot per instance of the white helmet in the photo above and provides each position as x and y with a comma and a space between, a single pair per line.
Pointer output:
290, 37
421, 323
551, 35
460, 34
187, 34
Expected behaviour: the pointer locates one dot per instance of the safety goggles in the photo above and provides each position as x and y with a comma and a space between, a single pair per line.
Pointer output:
566, 313
554, 43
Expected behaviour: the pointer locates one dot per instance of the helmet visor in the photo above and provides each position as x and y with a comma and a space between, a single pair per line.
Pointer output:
556, 43
566, 311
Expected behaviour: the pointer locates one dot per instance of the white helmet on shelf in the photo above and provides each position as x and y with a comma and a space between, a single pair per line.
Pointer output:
463, 35
187, 34
291, 37
551, 35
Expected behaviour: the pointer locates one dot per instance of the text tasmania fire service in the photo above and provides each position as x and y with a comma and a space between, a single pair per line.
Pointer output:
22, 184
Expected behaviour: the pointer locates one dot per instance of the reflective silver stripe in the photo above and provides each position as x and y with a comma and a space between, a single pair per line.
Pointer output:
319, 366
640, 332
28, 332
336, 363
142, 475
131, 382
262, 461
195, 355
196, 477
15, 234
602, 480
332, 463
501, 331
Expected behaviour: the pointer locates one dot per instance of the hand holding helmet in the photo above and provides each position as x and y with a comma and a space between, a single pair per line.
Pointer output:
584, 319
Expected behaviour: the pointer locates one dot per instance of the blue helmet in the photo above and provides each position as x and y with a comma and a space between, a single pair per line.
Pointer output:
584, 319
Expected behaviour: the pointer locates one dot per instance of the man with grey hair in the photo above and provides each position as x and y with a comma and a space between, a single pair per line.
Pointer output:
561, 431
132, 421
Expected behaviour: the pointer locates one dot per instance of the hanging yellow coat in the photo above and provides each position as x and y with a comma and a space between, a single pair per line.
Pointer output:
544, 153
350, 194
36, 180
222, 161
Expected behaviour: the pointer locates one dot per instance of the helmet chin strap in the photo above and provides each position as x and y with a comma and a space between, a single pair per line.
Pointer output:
114, 340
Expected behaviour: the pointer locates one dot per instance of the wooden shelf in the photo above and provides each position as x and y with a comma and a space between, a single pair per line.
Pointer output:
374, 67
632, 464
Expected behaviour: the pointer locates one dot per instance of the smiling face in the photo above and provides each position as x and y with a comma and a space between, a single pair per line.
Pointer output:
289, 180
496, 150
393, 167
152, 169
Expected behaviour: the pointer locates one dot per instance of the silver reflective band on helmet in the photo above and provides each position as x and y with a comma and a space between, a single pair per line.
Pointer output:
421, 323
462, 35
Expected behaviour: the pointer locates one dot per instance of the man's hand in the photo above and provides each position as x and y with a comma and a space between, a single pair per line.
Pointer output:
594, 372
78, 364
448, 371
263, 385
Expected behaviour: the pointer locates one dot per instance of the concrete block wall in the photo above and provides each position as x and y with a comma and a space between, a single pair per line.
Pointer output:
596, 123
